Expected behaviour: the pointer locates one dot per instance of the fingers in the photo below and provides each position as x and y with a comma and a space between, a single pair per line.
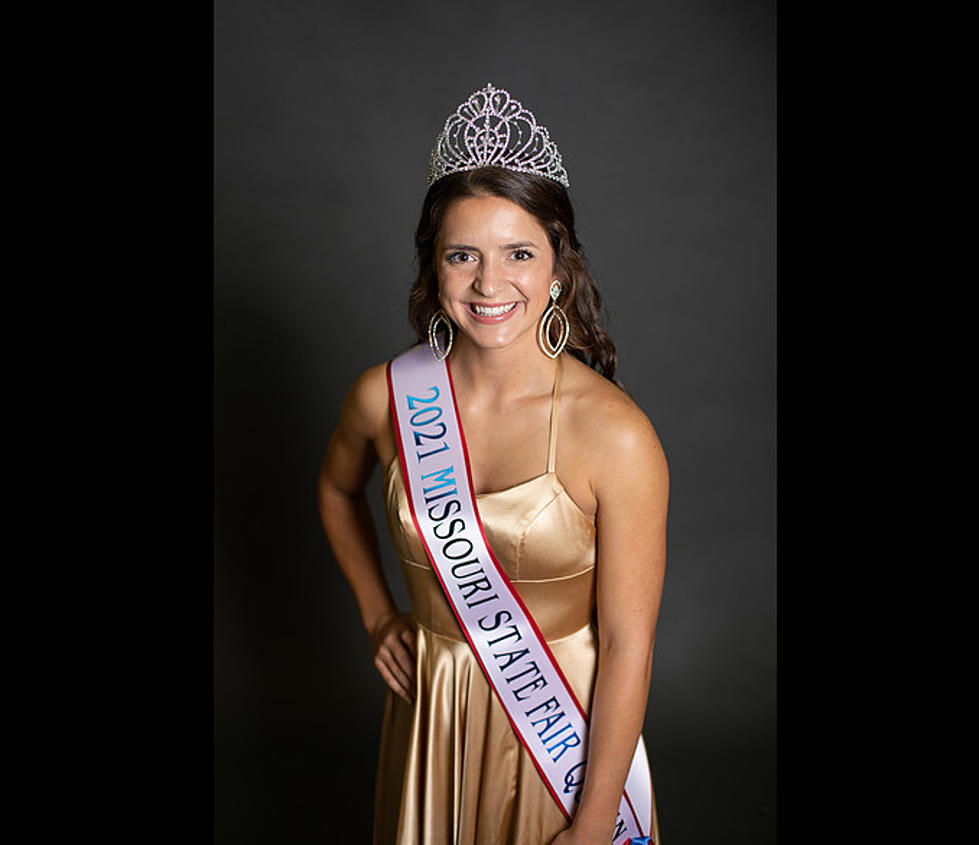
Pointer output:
405, 658
408, 638
395, 659
390, 679
399, 662
398, 670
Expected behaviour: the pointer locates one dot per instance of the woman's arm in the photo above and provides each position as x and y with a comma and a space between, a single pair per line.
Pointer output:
631, 484
345, 513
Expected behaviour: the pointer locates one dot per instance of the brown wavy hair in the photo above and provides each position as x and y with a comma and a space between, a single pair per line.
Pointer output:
550, 204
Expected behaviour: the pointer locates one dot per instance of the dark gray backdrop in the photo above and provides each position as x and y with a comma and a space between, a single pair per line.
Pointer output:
324, 117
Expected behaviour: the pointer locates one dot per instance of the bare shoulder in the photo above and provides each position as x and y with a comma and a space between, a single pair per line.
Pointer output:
365, 406
609, 431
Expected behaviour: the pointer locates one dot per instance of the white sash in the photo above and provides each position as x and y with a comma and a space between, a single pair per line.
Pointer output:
510, 649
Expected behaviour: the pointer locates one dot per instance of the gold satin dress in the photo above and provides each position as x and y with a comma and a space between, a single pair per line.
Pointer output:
451, 771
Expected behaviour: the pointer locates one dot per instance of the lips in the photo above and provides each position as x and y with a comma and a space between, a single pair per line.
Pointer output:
491, 310
492, 314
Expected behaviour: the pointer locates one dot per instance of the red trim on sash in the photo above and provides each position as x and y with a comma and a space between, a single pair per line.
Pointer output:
516, 595
465, 632
506, 581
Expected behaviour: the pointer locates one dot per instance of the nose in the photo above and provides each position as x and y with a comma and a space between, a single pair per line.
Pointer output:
489, 279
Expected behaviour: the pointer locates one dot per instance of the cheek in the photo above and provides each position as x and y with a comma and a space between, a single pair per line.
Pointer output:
536, 284
448, 281
451, 286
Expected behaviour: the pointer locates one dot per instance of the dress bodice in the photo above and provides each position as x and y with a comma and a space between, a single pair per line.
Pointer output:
542, 539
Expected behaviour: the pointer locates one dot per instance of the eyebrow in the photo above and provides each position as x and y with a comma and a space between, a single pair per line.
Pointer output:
517, 245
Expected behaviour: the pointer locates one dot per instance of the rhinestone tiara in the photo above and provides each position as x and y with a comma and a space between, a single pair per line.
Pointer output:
491, 129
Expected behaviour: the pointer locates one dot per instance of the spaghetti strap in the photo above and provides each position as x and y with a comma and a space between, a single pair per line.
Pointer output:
552, 435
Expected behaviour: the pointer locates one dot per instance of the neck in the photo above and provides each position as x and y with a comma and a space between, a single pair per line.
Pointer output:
499, 375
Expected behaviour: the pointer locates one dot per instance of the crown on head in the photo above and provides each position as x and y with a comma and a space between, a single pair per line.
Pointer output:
491, 129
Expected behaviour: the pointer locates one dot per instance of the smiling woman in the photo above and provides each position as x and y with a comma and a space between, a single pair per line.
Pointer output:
496, 266
518, 202
526, 496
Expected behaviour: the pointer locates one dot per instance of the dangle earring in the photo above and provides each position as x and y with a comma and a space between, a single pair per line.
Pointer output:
552, 313
433, 340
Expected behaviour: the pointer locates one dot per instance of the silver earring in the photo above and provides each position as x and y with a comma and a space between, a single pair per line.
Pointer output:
433, 340
552, 313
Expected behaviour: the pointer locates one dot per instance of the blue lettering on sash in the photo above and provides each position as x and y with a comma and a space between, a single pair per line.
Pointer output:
548, 722
564, 745
574, 779
443, 477
511, 657
514, 632
497, 620
427, 416
421, 435
554, 730
413, 400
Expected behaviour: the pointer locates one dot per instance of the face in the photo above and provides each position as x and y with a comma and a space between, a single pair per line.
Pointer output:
495, 266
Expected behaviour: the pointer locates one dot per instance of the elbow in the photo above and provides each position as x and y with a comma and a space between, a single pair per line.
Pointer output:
322, 492
635, 653
334, 503
328, 497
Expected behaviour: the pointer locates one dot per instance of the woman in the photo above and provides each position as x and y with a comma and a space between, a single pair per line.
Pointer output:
571, 486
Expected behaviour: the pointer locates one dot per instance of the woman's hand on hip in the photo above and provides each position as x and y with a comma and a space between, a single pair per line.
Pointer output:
393, 644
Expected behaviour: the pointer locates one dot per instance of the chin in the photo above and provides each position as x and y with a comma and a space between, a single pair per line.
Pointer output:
491, 342
499, 340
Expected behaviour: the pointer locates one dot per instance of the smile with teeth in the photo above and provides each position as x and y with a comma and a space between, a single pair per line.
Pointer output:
492, 310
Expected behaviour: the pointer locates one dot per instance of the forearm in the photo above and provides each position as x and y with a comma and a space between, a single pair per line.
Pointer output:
615, 723
350, 530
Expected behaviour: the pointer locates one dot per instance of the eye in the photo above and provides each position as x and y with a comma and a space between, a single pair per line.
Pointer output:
522, 255
458, 257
